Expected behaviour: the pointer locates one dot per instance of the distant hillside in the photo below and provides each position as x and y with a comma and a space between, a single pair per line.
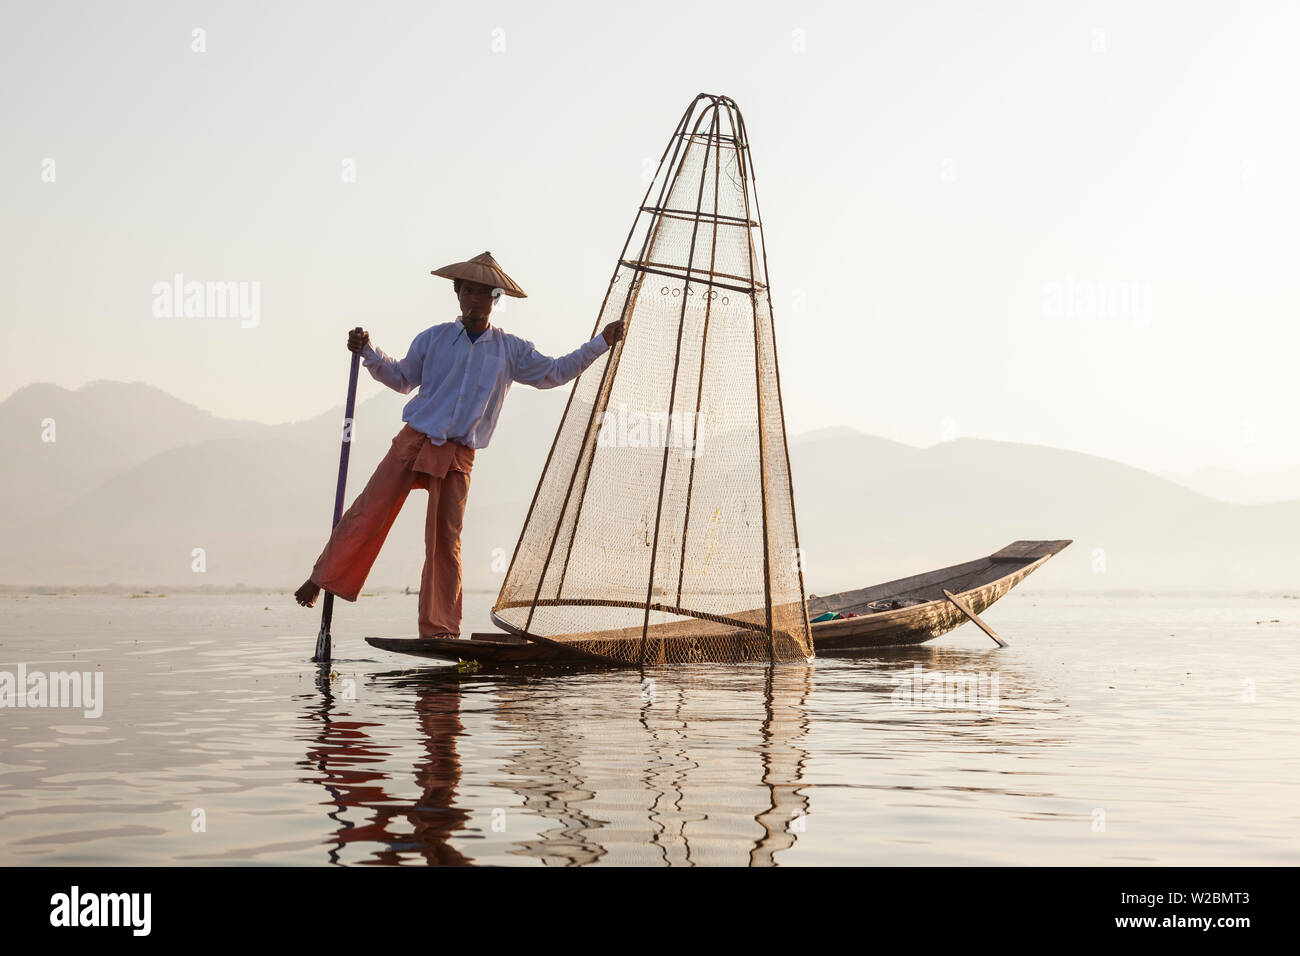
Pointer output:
257, 498
1233, 486
864, 517
138, 479
100, 430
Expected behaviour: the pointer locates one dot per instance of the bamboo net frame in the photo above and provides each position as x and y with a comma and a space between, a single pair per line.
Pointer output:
665, 533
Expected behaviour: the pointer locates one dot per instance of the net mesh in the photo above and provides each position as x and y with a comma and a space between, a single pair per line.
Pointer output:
663, 528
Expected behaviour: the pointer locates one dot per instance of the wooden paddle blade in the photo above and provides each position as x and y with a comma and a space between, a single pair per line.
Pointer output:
323, 642
961, 606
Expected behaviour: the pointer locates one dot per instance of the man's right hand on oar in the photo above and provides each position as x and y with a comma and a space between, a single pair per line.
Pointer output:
358, 339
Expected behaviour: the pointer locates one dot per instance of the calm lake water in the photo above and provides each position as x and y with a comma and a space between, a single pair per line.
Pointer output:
1154, 729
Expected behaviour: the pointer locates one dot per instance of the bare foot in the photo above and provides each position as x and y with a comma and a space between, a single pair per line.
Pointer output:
307, 594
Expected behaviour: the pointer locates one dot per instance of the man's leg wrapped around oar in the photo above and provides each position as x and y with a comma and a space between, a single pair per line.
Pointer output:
353, 546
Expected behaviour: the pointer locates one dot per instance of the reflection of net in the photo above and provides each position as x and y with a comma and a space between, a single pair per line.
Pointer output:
663, 527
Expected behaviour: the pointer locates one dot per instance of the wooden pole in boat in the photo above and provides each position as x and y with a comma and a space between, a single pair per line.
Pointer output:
327, 610
961, 606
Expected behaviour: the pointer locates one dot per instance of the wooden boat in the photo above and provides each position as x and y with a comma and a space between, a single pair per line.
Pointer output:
910, 610
922, 612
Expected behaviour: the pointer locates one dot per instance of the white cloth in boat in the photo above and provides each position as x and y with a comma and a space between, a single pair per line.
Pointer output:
462, 384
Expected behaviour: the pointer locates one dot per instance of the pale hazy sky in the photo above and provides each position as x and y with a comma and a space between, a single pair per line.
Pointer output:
932, 177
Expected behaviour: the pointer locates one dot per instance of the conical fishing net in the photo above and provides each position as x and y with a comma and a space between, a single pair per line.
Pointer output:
663, 527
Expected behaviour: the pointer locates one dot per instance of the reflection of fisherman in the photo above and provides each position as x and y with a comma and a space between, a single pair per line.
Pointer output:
463, 370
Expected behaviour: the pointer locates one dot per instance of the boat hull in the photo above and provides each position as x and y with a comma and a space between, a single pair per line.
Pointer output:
922, 622
979, 583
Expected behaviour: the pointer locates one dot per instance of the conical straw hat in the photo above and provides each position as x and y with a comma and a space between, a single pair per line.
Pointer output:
484, 270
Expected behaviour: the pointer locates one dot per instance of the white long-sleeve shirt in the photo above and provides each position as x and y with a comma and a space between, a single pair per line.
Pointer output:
462, 384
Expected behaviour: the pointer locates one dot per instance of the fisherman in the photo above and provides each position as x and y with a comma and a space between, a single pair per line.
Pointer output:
463, 370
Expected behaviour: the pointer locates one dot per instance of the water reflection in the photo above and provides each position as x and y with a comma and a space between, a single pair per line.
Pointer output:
349, 765
783, 764
1133, 706
681, 766
692, 766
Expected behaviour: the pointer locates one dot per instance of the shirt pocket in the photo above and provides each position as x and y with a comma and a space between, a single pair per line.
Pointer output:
487, 381
489, 372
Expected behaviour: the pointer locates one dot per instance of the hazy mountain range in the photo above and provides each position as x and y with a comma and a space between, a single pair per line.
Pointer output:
1228, 485
137, 479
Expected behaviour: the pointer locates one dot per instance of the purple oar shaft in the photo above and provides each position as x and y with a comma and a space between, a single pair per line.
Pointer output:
327, 610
